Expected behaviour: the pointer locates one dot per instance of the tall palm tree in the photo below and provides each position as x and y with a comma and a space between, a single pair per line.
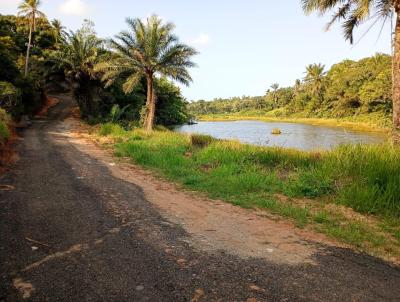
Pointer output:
77, 57
29, 10
354, 12
274, 94
148, 50
297, 87
58, 30
315, 77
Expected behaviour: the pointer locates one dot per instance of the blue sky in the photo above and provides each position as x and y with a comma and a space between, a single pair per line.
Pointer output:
244, 46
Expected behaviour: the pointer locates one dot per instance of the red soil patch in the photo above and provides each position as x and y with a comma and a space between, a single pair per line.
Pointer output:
50, 102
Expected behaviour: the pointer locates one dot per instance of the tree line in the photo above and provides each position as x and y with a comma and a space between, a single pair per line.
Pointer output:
346, 89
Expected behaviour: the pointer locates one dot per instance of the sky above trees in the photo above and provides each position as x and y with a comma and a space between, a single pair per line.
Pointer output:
245, 46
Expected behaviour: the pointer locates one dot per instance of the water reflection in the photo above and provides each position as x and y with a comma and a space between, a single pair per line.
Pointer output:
300, 136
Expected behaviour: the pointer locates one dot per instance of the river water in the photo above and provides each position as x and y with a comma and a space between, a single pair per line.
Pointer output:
294, 135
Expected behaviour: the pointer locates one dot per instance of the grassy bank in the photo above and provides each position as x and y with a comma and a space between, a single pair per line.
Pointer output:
367, 122
350, 193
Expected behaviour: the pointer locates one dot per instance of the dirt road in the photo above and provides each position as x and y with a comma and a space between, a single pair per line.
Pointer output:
76, 226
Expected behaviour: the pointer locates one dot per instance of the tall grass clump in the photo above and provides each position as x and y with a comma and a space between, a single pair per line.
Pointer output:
370, 176
201, 140
111, 129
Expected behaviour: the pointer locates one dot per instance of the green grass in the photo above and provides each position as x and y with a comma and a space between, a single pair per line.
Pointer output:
364, 178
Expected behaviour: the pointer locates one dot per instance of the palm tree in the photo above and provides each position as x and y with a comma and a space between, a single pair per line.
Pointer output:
297, 87
77, 57
148, 50
29, 10
354, 12
315, 77
58, 31
274, 94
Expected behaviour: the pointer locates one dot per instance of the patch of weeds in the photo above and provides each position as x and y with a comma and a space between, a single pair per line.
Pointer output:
321, 217
200, 140
310, 183
300, 215
111, 129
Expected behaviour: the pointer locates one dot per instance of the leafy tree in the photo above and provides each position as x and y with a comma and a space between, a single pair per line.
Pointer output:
354, 12
171, 106
29, 10
149, 49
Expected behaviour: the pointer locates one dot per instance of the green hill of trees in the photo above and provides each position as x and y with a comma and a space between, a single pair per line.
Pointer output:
348, 89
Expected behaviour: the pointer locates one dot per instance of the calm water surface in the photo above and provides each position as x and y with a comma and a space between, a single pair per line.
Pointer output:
294, 135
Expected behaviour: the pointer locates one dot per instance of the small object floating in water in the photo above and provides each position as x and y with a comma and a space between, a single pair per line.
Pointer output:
276, 131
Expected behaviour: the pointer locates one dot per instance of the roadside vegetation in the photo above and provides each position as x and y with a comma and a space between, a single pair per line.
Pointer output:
38, 56
350, 193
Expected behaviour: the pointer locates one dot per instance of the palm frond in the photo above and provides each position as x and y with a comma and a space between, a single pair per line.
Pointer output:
351, 13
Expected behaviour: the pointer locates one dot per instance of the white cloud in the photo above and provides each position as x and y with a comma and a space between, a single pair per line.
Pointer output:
74, 8
202, 39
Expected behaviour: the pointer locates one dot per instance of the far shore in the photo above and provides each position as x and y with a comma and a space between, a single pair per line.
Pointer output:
353, 125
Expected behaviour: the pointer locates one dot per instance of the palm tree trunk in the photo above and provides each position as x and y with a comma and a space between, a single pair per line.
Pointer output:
150, 104
29, 47
396, 80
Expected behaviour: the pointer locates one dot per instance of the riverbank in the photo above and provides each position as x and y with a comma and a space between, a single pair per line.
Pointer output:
349, 193
366, 122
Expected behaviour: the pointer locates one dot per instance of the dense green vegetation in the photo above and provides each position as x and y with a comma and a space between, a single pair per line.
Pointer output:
21, 95
364, 178
106, 88
349, 89
353, 13
38, 56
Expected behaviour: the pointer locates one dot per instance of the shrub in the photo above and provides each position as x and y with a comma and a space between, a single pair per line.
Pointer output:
201, 140
111, 129
9, 95
276, 131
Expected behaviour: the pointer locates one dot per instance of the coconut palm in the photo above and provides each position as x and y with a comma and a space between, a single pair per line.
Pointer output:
58, 31
77, 57
315, 78
29, 10
274, 94
147, 50
354, 12
297, 87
